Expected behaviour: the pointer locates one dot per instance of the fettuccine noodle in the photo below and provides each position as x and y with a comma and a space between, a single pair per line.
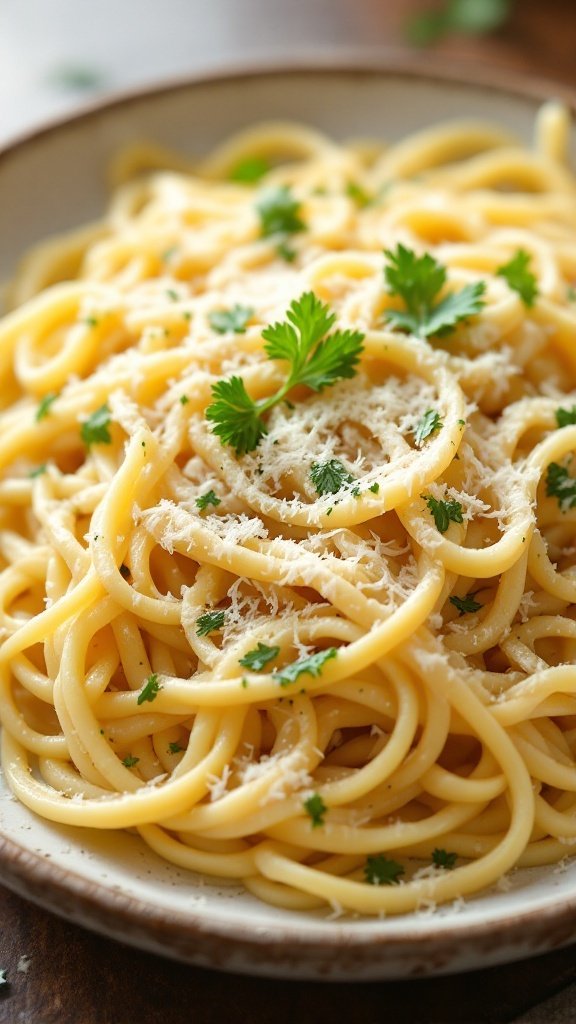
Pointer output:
410, 735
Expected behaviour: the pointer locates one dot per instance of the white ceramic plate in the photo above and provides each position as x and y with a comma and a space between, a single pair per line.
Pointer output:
53, 180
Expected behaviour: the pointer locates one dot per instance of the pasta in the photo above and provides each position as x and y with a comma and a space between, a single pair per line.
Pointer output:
288, 577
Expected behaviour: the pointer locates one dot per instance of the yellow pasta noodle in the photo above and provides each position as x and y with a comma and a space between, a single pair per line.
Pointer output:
335, 660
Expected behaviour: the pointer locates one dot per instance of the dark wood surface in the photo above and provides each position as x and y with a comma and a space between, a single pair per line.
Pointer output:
75, 977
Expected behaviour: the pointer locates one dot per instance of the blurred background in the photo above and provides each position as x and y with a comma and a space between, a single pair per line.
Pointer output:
57, 54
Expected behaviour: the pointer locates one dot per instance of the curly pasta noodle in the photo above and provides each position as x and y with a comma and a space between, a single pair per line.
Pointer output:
442, 718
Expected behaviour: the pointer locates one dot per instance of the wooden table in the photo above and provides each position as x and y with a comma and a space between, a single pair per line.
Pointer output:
74, 977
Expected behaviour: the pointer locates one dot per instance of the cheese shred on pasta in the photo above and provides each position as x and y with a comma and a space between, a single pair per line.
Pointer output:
359, 692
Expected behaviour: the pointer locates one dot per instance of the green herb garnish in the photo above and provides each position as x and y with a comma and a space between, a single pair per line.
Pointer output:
426, 426
44, 405
308, 664
130, 762
418, 280
95, 429
381, 871
519, 278
467, 603
316, 359
209, 623
316, 809
565, 417
210, 498
250, 170
444, 512
259, 657
279, 212
234, 319
330, 477
150, 690
443, 859
175, 748
38, 471
560, 485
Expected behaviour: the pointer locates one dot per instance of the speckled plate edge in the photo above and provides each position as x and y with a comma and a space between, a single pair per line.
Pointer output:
292, 950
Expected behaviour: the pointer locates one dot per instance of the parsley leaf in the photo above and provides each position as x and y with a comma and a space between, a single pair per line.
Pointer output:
308, 664
95, 429
317, 359
150, 690
444, 512
519, 278
184, 399
209, 623
130, 762
381, 871
250, 170
316, 809
443, 859
418, 281
467, 603
38, 471
210, 498
565, 417
44, 405
330, 477
474, 17
560, 485
236, 416
279, 212
428, 425
258, 658
175, 748
234, 319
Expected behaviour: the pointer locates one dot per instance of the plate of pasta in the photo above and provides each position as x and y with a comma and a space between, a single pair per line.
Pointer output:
288, 507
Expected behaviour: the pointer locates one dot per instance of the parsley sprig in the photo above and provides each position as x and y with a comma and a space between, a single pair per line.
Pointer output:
210, 498
95, 429
280, 218
444, 859
418, 280
444, 512
150, 690
316, 359
210, 622
382, 871
250, 170
560, 485
44, 406
519, 278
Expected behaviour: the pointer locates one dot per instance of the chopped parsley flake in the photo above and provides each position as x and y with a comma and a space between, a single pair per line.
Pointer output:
330, 477
381, 871
374, 488
418, 280
519, 278
210, 498
150, 690
130, 762
44, 405
315, 357
316, 809
428, 425
175, 748
250, 170
258, 658
360, 196
444, 512
565, 417
210, 622
467, 603
95, 429
443, 859
172, 294
234, 320
38, 471
309, 664
560, 485
184, 399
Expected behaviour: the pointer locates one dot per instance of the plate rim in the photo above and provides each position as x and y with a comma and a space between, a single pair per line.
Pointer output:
195, 937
